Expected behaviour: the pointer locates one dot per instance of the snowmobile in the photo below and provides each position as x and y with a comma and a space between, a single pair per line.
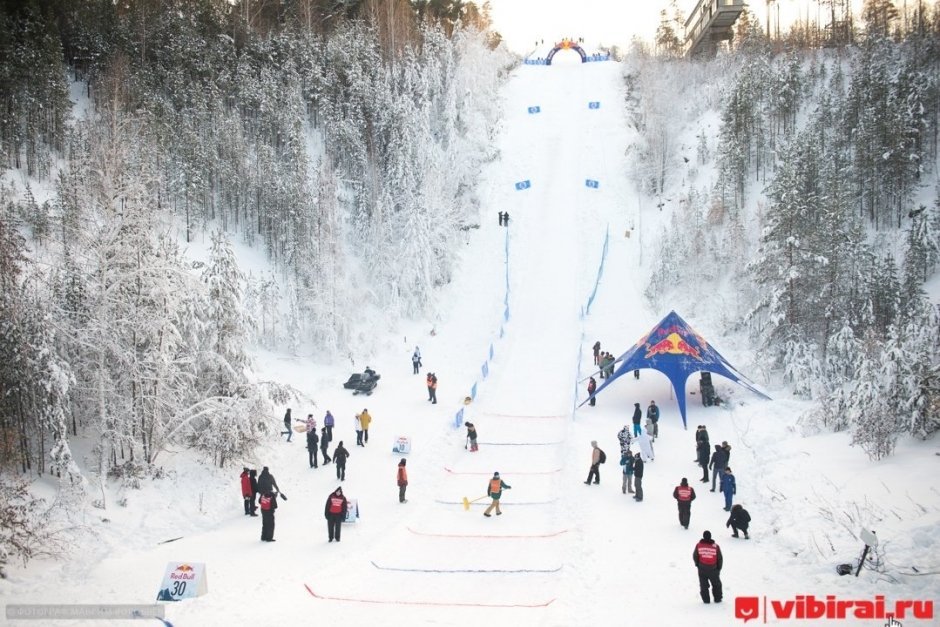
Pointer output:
363, 382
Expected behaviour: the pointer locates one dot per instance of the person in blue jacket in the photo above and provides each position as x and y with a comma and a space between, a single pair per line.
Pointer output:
728, 487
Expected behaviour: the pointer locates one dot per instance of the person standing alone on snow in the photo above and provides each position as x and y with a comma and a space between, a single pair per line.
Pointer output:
597, 456
472, 437
432, 387
495, 490
592, 385
402, 481
340, 455
416, 360
324, 443
684, 495
637, 417
335, 513
328, 422
707, 559
365, 419
288, 431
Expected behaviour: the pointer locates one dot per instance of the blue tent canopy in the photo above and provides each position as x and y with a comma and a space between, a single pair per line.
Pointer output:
676, 350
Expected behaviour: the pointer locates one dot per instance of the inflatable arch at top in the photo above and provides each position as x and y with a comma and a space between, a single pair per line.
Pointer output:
566, 44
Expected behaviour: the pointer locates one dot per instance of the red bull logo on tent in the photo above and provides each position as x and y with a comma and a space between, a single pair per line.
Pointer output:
674, 344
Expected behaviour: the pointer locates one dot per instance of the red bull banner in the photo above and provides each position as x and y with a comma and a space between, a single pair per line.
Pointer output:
674, 348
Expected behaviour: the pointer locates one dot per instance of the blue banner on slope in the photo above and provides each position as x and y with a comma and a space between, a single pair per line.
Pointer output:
591, 183
521, 185
535, 109
594, 105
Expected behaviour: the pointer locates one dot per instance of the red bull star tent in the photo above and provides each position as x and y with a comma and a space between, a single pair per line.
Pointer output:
676, 350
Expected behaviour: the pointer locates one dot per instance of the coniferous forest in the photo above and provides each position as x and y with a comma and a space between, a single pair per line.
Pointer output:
344, 139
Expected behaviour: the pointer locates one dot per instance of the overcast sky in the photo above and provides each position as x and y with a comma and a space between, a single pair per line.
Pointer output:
523, 22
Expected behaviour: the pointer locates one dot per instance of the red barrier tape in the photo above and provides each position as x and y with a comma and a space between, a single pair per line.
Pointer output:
489, 537
507, 474
431, 603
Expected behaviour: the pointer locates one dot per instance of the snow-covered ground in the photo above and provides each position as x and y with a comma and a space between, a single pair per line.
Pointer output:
562, 553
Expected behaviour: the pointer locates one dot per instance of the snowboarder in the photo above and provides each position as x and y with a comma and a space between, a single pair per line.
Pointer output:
637, 417
597, 353
324, 443
247, 495
708, 561
652, 414
638, 476
288, 430
728, 487
416, 360
365, 419
626, 460
328, 422
253, 477
359, 430
267, 482
494, 490
718, 464
739, 521
335, 513
684, 495
472, 437
268, 506
432, 387
702, 458
340, 455
624, 437
597, 456
312, 441
592, 385
402, 481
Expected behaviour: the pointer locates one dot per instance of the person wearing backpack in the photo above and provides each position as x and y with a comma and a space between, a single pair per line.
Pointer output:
626, 460
268, 506
494, 490
684, 495
598, 457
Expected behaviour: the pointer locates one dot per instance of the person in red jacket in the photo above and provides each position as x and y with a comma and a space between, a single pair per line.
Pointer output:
335, 513
707, 559
592, 385
402, 481
684, 495
248, 494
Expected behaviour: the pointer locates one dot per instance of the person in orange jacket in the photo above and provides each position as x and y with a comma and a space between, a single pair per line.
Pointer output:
402, 481
432, 388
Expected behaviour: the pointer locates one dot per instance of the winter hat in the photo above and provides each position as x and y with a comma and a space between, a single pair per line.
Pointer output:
496, 475
402, 462
707, 535
684, 481
593, 442
636, 404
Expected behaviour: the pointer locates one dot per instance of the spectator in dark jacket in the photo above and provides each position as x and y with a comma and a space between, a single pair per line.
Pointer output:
312, 441
592, 385
718, 464
288, 429
739, 520
597, 352
253, 477
637, 417
267, 482
638, 476
324, 443
652, 413
340, 455
268, 506
702, 452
